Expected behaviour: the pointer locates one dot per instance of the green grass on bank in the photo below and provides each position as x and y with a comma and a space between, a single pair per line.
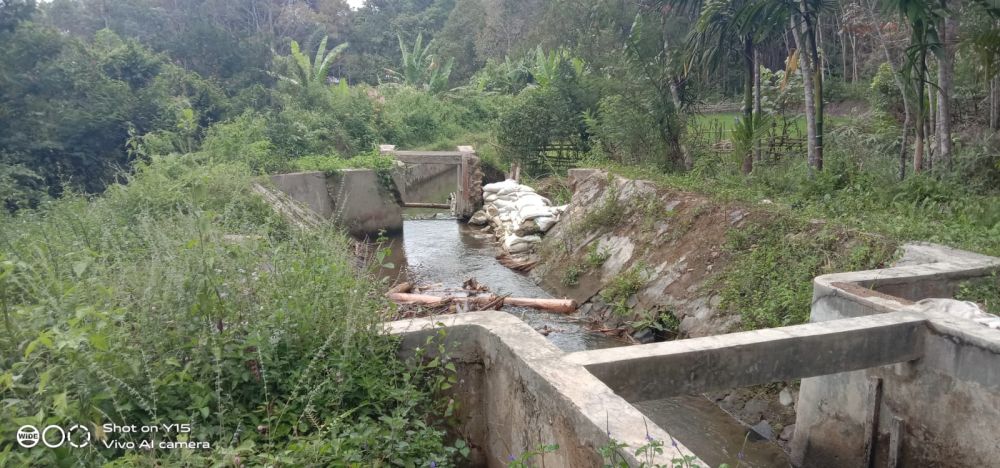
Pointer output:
182, 298
919, 209
727, 122
850, 217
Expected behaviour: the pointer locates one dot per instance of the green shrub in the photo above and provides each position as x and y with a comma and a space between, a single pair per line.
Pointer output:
182, 298
885, 96
626, 136
244, 139
769, 280
544, 115
623, 286
571, 277
983, 291
412, 118
596, 256
608, 214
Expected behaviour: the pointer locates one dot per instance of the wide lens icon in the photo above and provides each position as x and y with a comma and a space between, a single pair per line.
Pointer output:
28, 436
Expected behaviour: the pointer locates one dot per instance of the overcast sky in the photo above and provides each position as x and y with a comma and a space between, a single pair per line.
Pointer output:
355, 3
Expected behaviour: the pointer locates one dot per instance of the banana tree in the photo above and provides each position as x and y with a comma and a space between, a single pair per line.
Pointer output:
421, 68
546, 67
305, 72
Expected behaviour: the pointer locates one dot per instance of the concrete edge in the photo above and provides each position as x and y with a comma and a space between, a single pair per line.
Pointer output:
973, 347
735, 360
935, 263
602, 411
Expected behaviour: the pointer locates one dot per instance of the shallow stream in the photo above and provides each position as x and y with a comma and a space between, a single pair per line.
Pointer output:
447, 252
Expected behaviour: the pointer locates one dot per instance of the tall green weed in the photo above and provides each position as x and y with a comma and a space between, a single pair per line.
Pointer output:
182, 298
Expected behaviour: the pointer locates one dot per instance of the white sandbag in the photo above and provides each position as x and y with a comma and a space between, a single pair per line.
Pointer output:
497, 186
519, 248
535, 211
479, 218
489, 198
513, 240
532, 199
508, 190
504, 205
545, 223
527, 228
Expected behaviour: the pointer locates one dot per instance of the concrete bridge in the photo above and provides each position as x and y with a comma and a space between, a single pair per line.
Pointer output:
367, 203
886, 381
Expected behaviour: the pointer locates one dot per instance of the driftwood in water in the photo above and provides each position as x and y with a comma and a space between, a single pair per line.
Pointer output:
403, 287
516, 264
565, 306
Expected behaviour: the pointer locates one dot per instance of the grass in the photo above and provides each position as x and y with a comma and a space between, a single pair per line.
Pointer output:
985, 292
623, 286
609, 213
865, 213
769, 279
727, 120
182, 298
920, 209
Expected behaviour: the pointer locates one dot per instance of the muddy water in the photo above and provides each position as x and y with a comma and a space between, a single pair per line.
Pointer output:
449, 252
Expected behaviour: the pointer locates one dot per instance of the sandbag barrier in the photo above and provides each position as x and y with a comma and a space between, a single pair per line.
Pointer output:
518, 216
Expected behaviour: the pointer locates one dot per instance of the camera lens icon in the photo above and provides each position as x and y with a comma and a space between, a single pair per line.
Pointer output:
77, 436
28, 436
82, 441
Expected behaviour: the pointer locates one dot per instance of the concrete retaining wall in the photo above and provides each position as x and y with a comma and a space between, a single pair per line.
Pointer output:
354, 198
945, 406
927, 394
467, 190
517, 391
308, 188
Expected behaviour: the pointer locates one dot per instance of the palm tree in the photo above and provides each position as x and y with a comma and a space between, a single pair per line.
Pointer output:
306, 73
725, 25
982, 39
803, 20
923, 18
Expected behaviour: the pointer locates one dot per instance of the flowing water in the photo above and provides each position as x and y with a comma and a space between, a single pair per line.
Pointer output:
447, 252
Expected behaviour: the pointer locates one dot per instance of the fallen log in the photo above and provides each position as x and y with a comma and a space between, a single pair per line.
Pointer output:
565, 306
523, 265
403, 287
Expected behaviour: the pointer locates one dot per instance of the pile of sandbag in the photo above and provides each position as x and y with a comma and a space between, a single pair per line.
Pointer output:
518, 215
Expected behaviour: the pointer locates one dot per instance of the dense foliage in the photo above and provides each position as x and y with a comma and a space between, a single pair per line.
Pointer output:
140, 280
182, 298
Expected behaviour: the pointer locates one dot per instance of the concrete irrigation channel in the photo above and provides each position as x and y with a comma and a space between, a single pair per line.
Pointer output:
893, 371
